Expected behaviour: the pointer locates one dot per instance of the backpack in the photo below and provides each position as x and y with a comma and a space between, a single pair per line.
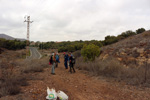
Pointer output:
57, 58
51, 60
73, 60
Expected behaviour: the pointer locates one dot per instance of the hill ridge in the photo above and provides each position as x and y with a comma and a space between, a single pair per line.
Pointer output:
7, 37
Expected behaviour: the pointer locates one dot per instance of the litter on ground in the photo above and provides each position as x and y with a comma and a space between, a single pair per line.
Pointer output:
53, 95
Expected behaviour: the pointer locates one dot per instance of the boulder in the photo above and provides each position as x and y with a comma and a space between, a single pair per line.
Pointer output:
122, 54
140, 50
143, 43
141, 60
120, 59
134, 49
148, 61
103, 57
122, 50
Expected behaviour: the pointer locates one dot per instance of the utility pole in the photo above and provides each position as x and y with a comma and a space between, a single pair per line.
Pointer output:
42, 46
28, 28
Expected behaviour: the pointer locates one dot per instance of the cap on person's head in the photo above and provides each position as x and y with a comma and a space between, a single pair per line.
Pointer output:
64, 52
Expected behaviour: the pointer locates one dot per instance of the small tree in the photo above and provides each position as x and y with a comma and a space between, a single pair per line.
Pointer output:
110, 39
71, 48
89, 52
127, 34
140, 30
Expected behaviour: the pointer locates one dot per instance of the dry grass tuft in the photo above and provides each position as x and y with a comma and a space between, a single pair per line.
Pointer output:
15, 71
146, 34
10, 80
111, 67
34, 65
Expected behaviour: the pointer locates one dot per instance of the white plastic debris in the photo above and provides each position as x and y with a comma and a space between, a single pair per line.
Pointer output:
51, 94
62, 95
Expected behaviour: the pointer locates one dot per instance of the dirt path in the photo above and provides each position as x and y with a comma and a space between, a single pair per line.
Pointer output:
79, 86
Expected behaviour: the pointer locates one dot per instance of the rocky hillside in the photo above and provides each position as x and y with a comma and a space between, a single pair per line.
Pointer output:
134, 50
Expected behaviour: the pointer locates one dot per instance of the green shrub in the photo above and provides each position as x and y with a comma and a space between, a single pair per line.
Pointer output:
89, 52
140, 30
62, 49
71, 48
12, 44
77, 54
110, 39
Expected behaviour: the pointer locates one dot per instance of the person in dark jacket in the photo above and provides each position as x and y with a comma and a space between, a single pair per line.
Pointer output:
71, 63
66, 60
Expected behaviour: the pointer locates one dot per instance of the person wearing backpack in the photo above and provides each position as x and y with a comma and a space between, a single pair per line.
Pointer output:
51, 60
71, 63
53, 64
57, 60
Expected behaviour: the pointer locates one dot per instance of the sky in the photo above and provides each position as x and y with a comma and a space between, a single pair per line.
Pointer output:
70, 20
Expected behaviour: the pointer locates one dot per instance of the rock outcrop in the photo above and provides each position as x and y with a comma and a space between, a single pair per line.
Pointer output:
134, 50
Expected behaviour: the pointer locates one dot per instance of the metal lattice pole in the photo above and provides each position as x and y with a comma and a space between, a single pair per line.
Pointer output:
27, 41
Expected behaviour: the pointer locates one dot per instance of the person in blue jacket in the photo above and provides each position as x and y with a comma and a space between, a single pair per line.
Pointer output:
57, 60
66, 60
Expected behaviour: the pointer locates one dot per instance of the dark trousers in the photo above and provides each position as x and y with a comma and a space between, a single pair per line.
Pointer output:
66, 65
56, 64
72, 67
